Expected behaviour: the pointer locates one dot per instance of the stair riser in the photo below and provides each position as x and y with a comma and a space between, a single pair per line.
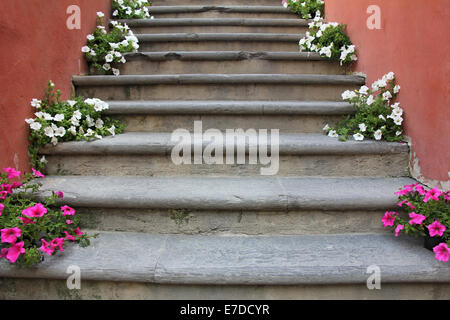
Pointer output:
214, 3
220, 29
280, 46
270, 92
38, 289
144, 65
392, 165
231, 222
218, 15
285, 123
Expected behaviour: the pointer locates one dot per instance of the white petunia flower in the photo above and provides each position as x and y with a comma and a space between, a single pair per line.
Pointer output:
378, 134
109, 57
364, 90
333, 134
382, 117
326, 128
348, 95
362, 127
112, 130
387, 95
58, 117
48, 131
396, 89
36, 103
116, 72
100, 14
90, 122
107, 66
90, 37
398, 133
47, 116
54, 141
36, 126
73, 130
85, 49
71, 102
60, 132
358, 137
99, 123
370, 100
43, 160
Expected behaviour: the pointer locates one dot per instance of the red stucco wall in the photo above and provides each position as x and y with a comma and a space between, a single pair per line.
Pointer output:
36, 46
414, 43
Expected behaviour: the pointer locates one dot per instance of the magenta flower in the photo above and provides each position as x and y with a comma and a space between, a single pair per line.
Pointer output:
436, 228
78, 232
26, 220
416, 218
401, 203
432, 194
37, 211
69, 237
46, 247
405, 191
447, 196
12, 173
399, 228
388, 219
2, 207
60, 194
68, 211
442, 252
3, 195
421, 190
37, 173
69, 222
3, 252
11, 235
57, 242
15, 251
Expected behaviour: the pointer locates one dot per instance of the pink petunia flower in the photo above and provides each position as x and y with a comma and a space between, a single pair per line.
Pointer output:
36, 211
432, 194
37, 173
3, 252
12, 173
78, 232
3, 195
2, 207
421, 190
69, 221
60, 194
11, 235
68, 211
436, 228
442, 252
416, 218
401, 203
399, 228
388, 219
69, 237
57, 243
405, 191
15, 251
46, 247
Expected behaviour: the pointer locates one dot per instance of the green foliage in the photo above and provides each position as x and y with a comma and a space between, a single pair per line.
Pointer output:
72, 120
306, 9
375, 118
131, 9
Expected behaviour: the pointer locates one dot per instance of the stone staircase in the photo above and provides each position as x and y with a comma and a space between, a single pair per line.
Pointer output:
224, 231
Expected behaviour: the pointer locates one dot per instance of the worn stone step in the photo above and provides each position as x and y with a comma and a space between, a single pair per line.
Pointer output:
225, 62
149, 154
217, 86
222, 11
156, 3
179, 266
219, 42
288, 116
217, 25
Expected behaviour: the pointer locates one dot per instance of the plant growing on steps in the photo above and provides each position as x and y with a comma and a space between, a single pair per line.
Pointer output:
31, 229
104, 50
423, 213
329, 40
306, 9
376, 116
72, 120
131, 9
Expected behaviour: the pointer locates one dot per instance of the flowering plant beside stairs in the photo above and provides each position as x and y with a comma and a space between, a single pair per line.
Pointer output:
305, 8
376, 116
31, 229
423, 212
131, 9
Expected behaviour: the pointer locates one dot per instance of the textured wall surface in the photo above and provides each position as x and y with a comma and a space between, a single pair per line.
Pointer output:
412, 42
37, 46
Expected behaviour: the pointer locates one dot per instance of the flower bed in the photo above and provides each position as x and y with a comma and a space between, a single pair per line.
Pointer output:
306, 9
376, 116
423, 213
31, 229
131, 9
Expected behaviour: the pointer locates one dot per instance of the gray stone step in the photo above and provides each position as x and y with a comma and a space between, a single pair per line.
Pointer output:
222, 11
226, 62
225, 193
219, 42
217, 25
156, 3
149, 154
245, 261
217, 86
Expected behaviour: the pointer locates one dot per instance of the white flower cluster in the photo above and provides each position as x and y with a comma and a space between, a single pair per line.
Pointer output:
51, 126
303, 4
311, 41
114, 50
124, 9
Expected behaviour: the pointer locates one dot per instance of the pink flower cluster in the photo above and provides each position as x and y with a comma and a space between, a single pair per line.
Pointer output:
11, 236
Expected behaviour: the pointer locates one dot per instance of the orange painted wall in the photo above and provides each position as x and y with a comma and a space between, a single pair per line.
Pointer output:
36, 46
414, 43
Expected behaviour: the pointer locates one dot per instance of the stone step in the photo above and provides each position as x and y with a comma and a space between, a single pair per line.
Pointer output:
288, 116
217, 25
149, 154
217, 86
222, 11
219, 42
234, 267
157, 3
225, 62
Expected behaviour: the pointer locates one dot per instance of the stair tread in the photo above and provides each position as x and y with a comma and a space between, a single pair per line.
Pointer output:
227, 193
243, 260
214, 22
224, 9
194, 36
311, 79
147, 143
